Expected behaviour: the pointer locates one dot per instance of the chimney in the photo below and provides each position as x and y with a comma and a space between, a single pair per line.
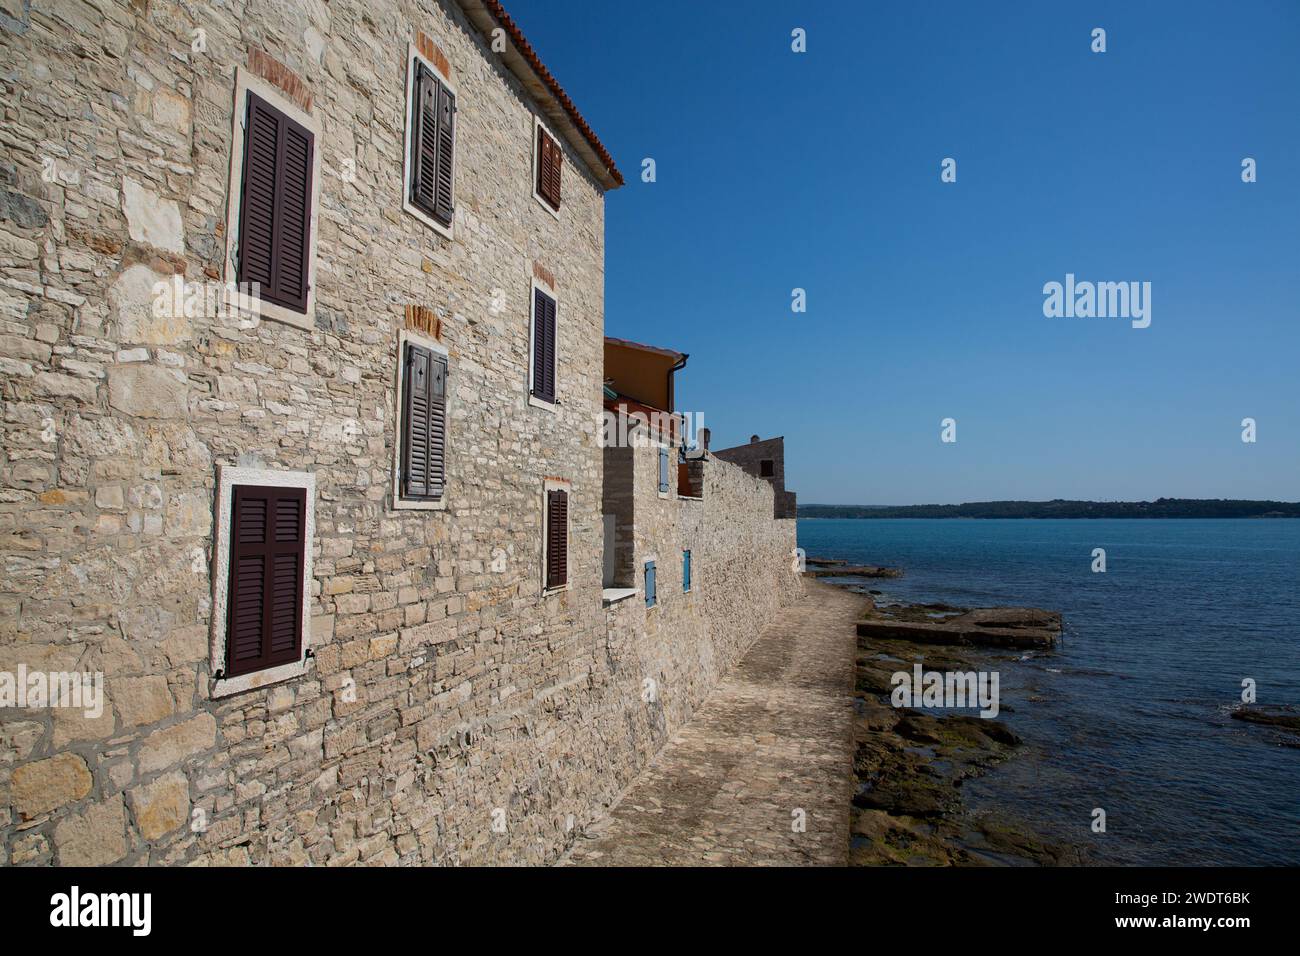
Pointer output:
704, 438
753, 439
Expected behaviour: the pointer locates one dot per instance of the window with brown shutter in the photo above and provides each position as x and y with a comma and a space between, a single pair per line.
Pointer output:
266, 583
274, 248
424, 423
433, 145
557, 538
543, 384
550, 160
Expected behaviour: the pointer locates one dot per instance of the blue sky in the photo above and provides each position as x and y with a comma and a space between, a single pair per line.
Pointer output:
821, 170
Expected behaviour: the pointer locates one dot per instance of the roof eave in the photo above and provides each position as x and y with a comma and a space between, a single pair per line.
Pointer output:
563, 116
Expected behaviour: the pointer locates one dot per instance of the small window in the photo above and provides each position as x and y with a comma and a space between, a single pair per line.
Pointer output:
548, 162
766, 468
431, 146
264, 607
423, 426
273, 249
650, 599
663, 471
686, 571
541, 376
556, 537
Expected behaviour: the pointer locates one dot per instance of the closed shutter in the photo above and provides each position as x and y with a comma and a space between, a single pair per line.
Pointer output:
275, 205
424, 139
444, 209
424, 423
433, 145
557, 538
543, 346
650, 584
663, 470
550, 160
686, 570
267, 555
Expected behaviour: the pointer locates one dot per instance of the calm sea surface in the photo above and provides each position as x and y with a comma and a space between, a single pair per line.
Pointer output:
1130, 713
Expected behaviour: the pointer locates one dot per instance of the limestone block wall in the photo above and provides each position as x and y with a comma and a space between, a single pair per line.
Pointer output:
445, 687
741, 572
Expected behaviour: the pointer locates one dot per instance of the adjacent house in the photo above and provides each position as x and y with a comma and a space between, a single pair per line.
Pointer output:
765, 458
304, 376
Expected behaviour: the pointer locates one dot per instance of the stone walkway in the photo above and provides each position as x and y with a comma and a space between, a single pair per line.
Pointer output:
772, 745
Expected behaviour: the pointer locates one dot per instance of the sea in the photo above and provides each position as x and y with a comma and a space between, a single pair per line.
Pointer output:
1130, 713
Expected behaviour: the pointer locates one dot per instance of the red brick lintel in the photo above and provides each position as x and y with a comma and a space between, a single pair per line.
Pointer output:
279, 75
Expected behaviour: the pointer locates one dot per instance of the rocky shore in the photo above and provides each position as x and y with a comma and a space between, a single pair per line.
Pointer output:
910, 763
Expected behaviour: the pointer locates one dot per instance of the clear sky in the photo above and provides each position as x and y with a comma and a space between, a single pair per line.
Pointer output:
821, 170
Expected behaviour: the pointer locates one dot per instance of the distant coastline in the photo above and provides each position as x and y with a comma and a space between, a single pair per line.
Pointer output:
1061, 508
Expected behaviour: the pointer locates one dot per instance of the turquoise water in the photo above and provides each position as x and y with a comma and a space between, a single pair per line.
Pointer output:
1130, 713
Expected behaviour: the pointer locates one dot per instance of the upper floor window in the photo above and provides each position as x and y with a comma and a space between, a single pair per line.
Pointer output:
555, 536
271, 211
430, 145
541, 368
422, 423
663, 471
548, 161
766, 468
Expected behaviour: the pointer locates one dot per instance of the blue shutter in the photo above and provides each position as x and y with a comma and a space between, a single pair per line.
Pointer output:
686, 570
663, 470
649, 584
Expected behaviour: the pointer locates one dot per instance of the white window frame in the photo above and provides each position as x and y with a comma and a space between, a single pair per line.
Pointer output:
228, 477
246, 82
405, 336
557, 484
549, 290
447, 232
537, 162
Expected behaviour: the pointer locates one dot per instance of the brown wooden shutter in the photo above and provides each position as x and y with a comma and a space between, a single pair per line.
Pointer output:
275, 205
557, 538
267, 559
549, 163
257, 195
444, 209
433, 145
424, 423
543, 346
424, 139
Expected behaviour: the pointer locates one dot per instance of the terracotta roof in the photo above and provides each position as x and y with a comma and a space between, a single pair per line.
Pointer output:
652, 416
670, 353
526, 61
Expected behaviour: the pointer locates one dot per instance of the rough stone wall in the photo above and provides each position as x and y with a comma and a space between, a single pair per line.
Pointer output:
741, 572
618, 504
750, 458
473, 692
487, 721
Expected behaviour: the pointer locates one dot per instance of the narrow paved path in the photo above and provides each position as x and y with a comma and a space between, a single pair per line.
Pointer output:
770, 748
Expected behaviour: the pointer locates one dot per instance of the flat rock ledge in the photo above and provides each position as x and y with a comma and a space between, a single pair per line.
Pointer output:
831, 568
1022, 627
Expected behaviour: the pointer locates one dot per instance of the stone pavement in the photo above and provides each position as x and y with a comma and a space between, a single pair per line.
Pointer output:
774, 738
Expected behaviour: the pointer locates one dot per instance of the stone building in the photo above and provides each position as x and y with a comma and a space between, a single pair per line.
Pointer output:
765, 458
301, 449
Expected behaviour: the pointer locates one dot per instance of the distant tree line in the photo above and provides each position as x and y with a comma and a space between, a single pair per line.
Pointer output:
1060, 508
